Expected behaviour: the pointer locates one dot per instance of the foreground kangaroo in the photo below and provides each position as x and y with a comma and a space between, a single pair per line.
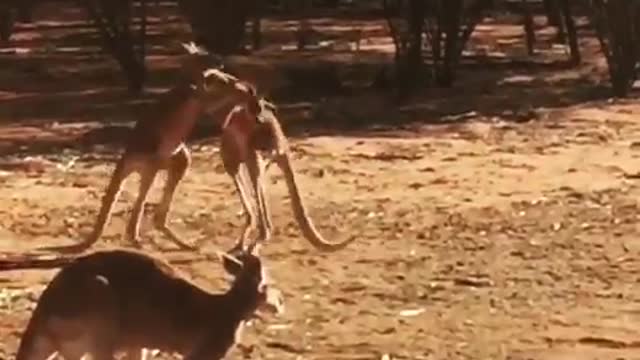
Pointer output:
157, 142
246, 133
94, 306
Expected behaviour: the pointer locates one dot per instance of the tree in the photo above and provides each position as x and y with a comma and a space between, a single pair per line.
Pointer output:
552, 12
617, 25
439, 27
406, 24
449, 25
12, 11
6, 21
114, 20
219, 25
529, 27
572, 33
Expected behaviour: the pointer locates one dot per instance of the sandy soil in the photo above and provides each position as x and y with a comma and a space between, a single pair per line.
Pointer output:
480, 238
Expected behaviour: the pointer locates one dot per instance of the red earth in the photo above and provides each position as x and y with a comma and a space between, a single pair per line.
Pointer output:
499, 221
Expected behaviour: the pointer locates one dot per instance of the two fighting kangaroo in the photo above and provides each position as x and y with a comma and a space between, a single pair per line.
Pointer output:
123, 300
157, 142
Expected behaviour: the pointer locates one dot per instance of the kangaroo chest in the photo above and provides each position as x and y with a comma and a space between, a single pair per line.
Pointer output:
166, 126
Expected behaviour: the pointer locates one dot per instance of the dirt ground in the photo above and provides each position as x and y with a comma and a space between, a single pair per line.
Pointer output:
508, 232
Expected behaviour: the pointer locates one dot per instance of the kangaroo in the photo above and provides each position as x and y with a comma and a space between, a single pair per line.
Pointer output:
246, 133
157, 142
94, 306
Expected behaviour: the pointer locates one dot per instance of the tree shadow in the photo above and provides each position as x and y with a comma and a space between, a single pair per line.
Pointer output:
508, 91
328, 91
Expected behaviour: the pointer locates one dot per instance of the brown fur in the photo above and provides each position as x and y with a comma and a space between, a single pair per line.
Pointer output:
122, 300
246, 134
157, 142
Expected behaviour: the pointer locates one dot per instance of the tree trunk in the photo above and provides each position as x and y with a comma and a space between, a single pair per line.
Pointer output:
449, 27
304, 32
552, 13
475, 16
443, 25
218, 25
451, 21
410, 67
554, 18
529, 29
25, 9
113, 18
396, 20
616, 23
6, 22
571, 32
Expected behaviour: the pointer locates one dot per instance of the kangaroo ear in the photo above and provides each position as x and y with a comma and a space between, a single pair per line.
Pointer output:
188, 47
254, 249
194, 49
231, 265
245, 87
269, 105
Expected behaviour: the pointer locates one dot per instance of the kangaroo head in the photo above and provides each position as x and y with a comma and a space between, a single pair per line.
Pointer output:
218, 88
251, 280
197, 61
266, 110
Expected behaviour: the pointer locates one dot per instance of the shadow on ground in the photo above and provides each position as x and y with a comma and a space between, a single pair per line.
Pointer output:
325, 94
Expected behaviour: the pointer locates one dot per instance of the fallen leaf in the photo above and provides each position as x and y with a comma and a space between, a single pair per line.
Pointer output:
412, 312
279, 327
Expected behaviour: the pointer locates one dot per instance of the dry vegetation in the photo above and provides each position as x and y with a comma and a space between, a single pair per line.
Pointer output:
499, 221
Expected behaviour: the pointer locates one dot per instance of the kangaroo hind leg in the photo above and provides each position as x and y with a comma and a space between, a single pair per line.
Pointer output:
147, 176
255, 168
178, 166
